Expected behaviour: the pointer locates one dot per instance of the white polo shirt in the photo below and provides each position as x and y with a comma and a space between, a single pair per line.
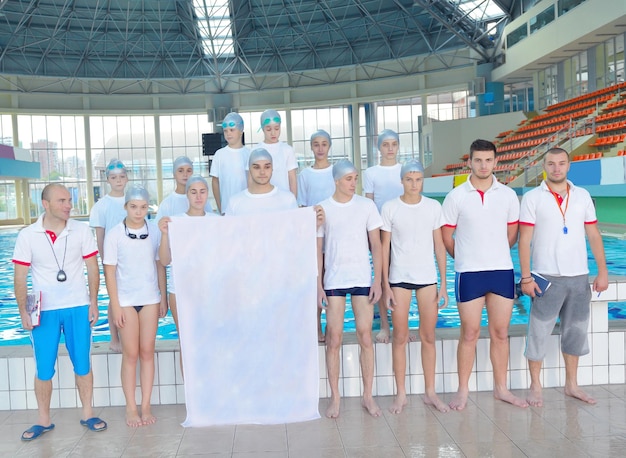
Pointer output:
107, 212
384, 182
315, 185
246, 203
229, 165
412, 245
283, 160
72, 246
346, 243
135, 259
481, 225
552, 251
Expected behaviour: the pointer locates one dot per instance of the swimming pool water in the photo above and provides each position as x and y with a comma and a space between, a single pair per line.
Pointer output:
11, 332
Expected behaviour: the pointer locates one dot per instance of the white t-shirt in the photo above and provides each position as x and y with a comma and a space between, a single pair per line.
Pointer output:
552, 251
170, 287
412, 244
229, 165
107, 212
136, 273
175, 204
384, 182
72, 246
315, 185
481, 222
346, 243
283, 160
246, 203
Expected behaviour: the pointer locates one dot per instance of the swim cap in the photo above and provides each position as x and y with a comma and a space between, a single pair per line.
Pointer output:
137, 192
387, 134
412, 165
342, 167
321, 133
181, 160
233, 120
195, 179
259, 154
115, 166
269, 117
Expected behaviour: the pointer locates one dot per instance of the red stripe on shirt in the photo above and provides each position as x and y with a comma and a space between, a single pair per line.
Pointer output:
90, 255
21, 263
591, 222
450, 225
524, 223
513, 222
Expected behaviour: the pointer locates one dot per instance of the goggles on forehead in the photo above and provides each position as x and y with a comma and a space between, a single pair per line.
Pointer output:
267, 121
229, 124
117, 165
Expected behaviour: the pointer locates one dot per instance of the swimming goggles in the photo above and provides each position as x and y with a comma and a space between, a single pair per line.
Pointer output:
229, 124
266, 121
135, 236
117, 165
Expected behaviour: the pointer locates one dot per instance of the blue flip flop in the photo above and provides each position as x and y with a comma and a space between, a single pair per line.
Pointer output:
92, 422
37, 431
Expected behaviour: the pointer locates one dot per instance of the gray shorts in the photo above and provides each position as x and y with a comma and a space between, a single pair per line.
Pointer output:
568, 299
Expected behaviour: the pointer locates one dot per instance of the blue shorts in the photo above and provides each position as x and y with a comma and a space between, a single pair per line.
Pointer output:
357, 291
411, 286
74, 322
472, 285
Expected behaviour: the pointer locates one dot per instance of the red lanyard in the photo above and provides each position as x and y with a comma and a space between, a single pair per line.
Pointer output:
559, 200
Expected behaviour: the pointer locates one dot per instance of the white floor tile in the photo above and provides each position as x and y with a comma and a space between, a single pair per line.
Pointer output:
17, 375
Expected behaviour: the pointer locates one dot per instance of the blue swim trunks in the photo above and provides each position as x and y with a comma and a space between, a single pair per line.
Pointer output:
356, 291
74, 323
472, 285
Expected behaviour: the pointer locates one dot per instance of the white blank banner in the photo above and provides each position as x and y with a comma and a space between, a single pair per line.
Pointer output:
246, 294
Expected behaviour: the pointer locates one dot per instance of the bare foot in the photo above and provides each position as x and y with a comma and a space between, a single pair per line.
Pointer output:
535, 397
398, 403
506, 396
383, 336
372, 408
133, 419
147, 418
412, 338
459, 401
332, 411
115, 347
577, 393
433, 400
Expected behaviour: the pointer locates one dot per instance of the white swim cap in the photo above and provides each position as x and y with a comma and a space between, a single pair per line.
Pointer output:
259, 154
181, 160
114, 167
195, 179
412, 165
321, 133
233, 120
137, 192
387, 134
342, 167
269, 117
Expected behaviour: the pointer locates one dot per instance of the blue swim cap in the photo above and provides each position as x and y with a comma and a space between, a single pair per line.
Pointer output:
412, 165
343, 167
233, 119
115, 166
269, 117
386, 135
181, 160
259, 154
321, 133
195, 179
137, 192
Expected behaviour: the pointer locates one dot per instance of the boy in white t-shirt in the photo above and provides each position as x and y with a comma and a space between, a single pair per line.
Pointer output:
316, 184
410, 235
283, 156
382, 183
105, 214
228, 168
352, 223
